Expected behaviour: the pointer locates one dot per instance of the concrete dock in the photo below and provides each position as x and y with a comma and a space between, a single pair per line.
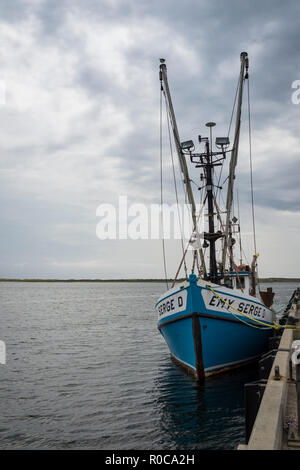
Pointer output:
276, 423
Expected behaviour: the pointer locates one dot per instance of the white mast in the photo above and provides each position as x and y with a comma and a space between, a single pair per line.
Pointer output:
181, 156
234, 155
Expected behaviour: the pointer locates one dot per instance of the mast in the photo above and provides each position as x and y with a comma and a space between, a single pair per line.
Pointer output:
208, 160
233, 160
210, 206
181, 156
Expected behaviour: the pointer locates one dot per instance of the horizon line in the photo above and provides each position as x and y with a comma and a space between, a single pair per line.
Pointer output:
262, 279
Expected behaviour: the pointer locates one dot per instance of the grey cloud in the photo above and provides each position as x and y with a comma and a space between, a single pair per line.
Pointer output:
215, 32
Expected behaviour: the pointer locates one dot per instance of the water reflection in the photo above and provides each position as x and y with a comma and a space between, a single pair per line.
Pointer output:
201, 416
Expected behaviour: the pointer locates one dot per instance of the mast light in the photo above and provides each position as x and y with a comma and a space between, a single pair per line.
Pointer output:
187, 145
222, 141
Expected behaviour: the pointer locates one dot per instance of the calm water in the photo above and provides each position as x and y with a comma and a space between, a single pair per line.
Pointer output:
86, 368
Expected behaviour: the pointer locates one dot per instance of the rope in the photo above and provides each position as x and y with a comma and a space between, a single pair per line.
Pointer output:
228, 132
187, 246
274, 326
228, 248
244, 314
251, 170
161, 194
175, 184
233, 107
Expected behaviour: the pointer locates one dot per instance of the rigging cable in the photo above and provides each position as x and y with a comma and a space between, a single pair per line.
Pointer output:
233, 108
229, 128
175, 185
240, 236
161, 192
251, 170
177, 143
251, 176
187, 246
230, 254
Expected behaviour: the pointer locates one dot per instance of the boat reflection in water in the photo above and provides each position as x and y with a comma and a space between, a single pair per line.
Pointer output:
203, 416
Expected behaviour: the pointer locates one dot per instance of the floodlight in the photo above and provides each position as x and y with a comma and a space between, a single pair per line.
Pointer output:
222, 141
187, 145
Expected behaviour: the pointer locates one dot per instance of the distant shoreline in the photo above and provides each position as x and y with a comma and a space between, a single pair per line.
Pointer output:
267, 279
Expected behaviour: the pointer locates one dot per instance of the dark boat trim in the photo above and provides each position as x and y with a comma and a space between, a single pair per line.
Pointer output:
217, 371
198, 347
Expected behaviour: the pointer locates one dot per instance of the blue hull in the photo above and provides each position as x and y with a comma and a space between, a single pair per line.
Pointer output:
210, 329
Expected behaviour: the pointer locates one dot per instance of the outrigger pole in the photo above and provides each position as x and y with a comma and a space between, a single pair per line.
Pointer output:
233, 160
182, 161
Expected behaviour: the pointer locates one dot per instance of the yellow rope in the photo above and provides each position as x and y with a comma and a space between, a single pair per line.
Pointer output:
275, 325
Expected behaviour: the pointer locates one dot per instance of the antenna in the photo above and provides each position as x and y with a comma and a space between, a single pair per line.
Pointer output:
210, 125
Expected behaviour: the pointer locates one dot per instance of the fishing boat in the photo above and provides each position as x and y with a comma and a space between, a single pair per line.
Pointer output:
215, 317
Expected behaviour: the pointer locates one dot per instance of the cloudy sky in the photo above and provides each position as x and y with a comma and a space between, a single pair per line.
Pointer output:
79, 119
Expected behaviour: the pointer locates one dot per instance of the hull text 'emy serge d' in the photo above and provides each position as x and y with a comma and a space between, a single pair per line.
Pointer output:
214, 317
